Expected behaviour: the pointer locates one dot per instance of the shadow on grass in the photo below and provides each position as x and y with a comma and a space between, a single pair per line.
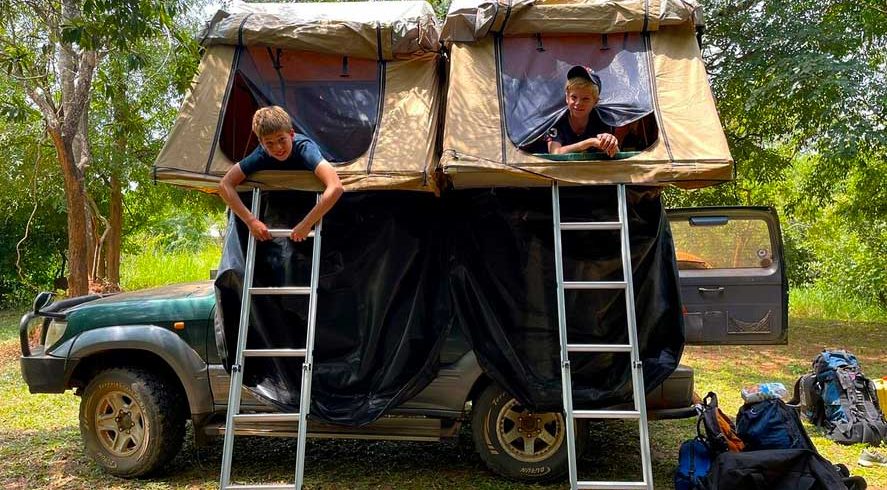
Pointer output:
55, 460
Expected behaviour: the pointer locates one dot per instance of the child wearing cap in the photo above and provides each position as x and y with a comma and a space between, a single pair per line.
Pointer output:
581, 129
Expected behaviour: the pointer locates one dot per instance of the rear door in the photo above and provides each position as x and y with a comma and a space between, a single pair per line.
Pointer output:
732, 275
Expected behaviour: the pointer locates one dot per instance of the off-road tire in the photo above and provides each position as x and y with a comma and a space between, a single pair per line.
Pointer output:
131, 401
493, 421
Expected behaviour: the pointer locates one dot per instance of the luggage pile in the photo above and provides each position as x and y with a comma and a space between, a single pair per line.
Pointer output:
767, 447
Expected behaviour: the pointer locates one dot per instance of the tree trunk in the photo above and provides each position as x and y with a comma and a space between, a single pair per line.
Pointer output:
115, 234
78, 252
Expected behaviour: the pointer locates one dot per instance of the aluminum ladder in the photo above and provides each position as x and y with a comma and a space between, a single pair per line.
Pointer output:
233, 416
637, 374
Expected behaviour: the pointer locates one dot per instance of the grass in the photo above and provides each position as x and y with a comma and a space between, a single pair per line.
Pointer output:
155, 267
823, 303
40, 441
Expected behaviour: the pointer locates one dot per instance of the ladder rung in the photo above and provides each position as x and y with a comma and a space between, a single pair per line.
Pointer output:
606, 414
611, 485
267, 417
280, 291
594, 284
592, 225
271, 486
285, 232
598, 348
274, 352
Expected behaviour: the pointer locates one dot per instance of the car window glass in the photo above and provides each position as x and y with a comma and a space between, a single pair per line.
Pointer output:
733, 244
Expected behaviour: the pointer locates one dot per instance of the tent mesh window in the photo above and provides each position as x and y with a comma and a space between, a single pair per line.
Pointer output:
332, 99
532, 72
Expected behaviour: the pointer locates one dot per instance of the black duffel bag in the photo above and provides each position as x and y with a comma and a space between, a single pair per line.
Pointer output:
778, 469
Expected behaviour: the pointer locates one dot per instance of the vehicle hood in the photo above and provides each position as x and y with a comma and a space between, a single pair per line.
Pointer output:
156, 306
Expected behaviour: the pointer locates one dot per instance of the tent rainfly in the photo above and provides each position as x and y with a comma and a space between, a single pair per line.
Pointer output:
363, 81
508, 63
360, 79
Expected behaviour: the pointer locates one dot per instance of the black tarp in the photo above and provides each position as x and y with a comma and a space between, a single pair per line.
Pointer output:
382, 314
400, 269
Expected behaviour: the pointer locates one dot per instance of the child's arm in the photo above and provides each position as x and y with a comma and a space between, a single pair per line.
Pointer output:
332, 190
605, 142
227, 190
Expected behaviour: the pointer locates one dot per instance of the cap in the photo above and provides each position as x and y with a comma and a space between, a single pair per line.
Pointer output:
585, 72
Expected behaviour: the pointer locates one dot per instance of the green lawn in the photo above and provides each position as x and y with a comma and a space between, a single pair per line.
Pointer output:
40, 447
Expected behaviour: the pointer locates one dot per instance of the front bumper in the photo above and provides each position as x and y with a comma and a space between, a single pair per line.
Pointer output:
43, 373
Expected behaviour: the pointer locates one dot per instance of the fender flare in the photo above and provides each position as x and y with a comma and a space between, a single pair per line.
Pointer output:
175, 352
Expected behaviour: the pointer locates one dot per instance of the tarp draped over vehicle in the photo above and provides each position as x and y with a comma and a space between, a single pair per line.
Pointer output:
360, 79
503, 287
382, 311
647, 49
392, 284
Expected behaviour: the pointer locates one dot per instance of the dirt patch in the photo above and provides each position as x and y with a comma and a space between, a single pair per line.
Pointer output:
9, 353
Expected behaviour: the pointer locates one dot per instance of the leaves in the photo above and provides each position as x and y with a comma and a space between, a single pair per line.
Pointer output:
801, 91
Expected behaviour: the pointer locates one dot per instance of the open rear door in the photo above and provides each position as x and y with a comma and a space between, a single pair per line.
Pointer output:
732, 275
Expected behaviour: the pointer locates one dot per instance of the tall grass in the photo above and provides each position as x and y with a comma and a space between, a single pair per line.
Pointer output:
820, 302
156, 267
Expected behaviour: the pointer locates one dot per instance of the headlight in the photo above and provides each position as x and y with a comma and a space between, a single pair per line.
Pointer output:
54, 332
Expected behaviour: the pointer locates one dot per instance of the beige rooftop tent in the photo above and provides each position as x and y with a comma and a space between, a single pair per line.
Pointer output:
363, 80
508, 61
360, 79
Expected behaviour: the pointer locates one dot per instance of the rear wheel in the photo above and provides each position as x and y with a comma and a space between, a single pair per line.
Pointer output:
132, 422
518, 443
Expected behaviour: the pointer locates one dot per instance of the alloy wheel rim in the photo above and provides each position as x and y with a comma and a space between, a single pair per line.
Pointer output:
120, 424
529, 436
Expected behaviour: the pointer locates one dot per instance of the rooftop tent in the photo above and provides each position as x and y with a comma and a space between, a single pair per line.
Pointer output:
508, 65
360, 79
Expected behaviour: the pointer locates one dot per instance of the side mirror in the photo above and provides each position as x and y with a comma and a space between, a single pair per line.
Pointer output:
42, 300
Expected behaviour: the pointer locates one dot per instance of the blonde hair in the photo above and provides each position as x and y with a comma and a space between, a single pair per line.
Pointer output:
268, 120
582, 83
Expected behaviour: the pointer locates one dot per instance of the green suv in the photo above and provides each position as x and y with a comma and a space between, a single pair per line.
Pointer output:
146, 362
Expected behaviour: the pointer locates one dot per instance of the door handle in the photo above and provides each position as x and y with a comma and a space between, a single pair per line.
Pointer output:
719, 290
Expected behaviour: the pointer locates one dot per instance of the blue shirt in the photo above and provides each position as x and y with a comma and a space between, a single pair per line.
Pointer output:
304, 156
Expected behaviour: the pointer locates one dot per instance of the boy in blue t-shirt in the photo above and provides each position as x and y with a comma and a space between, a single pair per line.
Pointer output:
280, 148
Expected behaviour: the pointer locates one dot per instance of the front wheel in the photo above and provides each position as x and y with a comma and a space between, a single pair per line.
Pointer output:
518, 443
132, 421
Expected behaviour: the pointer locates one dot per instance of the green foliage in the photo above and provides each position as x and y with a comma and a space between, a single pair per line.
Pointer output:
28, 177
147, 58
824, 303
154, 265
801, 91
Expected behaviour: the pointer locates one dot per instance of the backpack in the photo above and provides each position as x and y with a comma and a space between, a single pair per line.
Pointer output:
778, 469
694, 462
771, 424
720, 433
806, 398
839, 398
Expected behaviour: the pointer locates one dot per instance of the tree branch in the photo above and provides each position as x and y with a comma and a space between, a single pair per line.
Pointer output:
49, 111
77, 103
18, 252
